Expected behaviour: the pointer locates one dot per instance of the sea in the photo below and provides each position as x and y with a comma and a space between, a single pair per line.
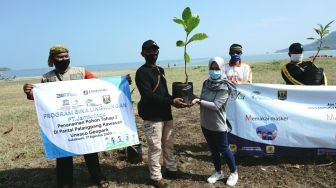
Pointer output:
253, 58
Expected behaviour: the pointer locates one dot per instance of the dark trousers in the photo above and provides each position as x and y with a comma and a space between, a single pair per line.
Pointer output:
218, 144
64, 169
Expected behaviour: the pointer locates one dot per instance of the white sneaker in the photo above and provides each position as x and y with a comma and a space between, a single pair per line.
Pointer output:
216, 176
233, 179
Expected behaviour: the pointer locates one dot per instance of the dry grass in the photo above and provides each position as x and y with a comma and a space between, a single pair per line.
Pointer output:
269, 72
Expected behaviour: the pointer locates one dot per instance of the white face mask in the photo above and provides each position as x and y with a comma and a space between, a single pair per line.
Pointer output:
296, 57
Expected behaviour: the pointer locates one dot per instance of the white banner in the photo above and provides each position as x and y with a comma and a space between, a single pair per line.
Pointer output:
285, 115
85, 116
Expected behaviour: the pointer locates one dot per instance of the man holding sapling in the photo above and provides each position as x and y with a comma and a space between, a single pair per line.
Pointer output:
299, 72
154, 108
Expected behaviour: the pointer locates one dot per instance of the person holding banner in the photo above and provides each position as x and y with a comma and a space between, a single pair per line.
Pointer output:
155, 109
60, 59
299, 72
235, 70
216, 91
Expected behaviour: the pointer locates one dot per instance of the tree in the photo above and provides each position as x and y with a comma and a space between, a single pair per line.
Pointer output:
189, 22
322, 31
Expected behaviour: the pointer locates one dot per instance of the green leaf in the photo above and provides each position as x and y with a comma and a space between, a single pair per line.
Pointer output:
311, 38
321, 27
197, 36
192, 23
326, 47
186, 15
317, 31
186, 57
329, 40
178, 21
328, 25
180, 43
325, 32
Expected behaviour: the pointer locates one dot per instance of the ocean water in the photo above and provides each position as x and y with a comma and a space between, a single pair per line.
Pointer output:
256, 58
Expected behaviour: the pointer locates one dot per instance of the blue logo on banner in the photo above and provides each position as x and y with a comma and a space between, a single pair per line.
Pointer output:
51, 150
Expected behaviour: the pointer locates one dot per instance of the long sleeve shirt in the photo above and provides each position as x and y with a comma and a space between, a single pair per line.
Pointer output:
153, 105
213, 109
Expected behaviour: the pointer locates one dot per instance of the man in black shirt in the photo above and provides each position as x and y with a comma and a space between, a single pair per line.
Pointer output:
298, 72
155, 109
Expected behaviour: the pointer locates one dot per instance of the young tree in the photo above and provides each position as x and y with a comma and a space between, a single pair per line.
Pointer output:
322, 31
189, 22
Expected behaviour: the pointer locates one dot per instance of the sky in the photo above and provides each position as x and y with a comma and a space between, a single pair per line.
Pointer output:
112, 31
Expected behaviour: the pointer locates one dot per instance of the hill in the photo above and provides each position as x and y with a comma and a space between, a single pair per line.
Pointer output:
4, 69
312, 46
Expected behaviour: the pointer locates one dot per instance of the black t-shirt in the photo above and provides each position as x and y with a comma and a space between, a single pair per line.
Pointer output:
153, 106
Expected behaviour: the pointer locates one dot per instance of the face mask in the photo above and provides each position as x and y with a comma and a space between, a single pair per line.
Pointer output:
151, 59
296, 57
62, 65
234, 59
215, 74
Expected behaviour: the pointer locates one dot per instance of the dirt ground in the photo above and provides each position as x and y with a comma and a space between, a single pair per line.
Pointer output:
193, 158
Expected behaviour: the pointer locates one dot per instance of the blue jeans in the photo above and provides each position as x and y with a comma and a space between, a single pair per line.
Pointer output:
218, 143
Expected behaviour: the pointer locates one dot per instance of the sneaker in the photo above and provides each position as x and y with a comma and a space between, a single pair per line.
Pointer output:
160, 183
174, 174
216, 176
233, 179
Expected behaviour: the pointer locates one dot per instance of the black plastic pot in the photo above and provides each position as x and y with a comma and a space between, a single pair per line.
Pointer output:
184, 91
134, 154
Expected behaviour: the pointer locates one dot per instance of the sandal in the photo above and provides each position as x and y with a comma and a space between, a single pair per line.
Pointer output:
103, 184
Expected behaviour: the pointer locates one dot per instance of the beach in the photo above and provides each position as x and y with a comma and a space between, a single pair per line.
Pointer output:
23, 164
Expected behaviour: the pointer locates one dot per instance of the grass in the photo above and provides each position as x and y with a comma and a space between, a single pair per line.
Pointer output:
269, 72
20, 140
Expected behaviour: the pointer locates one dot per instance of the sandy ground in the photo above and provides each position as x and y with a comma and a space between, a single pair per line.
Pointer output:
194, 160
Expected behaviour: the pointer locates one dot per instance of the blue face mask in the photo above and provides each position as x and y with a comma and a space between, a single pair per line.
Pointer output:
215, 74
234, 58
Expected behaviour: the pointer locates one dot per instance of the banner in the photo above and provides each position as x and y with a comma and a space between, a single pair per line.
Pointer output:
85, 116
271, 119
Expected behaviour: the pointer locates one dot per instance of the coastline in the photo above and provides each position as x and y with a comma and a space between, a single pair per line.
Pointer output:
103, 73
255, 65
250, 59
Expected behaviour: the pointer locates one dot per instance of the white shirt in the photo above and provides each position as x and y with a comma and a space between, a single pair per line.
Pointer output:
240, 73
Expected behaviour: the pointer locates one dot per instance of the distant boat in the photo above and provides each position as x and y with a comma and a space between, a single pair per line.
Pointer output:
320, 56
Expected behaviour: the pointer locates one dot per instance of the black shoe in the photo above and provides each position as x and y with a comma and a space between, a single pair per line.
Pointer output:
174, 174
160, 183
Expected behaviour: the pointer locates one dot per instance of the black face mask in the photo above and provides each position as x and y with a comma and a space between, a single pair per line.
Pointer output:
151, 59
62, 65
